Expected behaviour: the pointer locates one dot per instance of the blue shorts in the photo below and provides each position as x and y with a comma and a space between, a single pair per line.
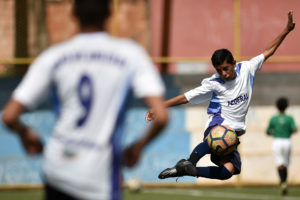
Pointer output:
233, 157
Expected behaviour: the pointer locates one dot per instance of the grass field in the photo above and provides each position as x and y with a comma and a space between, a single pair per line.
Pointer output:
201, 193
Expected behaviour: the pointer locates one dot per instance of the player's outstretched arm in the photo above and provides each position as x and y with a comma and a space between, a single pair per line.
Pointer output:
10, 118
270, 50
178, 100
132, 153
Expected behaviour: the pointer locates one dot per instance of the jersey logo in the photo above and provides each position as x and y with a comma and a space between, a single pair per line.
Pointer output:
238, 100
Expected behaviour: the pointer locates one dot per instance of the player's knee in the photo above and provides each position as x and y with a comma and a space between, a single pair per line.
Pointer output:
226, 176
225, 173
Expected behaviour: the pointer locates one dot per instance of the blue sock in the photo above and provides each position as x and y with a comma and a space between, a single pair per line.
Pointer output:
213, 172
199, 151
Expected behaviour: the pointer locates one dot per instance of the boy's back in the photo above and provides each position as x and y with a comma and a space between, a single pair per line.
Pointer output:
90, 77
281, 126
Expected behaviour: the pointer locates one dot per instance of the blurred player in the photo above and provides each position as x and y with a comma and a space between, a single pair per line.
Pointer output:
89, 77
229, 92
281, 127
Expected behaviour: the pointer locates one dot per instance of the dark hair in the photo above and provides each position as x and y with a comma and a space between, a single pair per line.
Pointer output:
92, 12
282, 103
220, 56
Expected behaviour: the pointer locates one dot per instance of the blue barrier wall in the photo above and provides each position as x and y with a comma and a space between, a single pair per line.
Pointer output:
165, 151
16, 167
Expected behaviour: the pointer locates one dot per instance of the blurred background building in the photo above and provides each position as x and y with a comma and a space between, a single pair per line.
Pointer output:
180, 36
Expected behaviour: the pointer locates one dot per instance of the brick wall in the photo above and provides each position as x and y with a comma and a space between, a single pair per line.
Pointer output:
6, 28
60, 23
132, 21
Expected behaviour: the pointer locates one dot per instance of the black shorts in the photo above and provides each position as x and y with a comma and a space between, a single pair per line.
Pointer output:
52, 193
233, 157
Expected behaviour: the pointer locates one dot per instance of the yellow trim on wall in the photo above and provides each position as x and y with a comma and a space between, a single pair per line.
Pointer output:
16, 61
180, 59
273, 59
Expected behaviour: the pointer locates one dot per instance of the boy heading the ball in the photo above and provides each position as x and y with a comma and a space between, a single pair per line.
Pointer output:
229, 92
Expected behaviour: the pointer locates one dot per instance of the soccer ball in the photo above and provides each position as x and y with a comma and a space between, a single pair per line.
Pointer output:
222, 140
134, 185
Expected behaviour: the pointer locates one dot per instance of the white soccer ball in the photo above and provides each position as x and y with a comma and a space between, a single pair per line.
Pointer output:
134, 185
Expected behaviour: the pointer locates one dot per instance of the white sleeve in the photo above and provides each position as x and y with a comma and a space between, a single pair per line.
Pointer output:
35, 85
146, 79
200, 94
256, 63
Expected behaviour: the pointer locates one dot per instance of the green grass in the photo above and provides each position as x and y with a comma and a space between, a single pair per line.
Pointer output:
21, 195
200, 193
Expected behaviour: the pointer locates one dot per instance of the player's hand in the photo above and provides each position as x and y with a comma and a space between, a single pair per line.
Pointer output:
149, 116
31, 142
290, 25
132, 155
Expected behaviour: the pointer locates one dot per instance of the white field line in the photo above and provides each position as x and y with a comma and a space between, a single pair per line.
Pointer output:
224, 195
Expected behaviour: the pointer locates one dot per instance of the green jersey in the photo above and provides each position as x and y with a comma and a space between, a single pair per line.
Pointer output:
281, 126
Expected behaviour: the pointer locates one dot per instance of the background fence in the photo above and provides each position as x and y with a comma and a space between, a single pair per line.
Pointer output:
180, 36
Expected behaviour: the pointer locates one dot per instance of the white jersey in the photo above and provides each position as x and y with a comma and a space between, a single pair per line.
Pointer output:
229, 100
89, 77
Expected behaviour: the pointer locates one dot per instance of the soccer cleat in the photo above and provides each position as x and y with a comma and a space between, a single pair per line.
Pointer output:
186, 168
283, 188
167, 173
182, 168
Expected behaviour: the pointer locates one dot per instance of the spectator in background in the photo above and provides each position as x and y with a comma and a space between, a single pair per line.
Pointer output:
281, 127
89, 77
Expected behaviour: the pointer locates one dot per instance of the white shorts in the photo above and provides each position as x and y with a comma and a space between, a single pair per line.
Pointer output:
282, 151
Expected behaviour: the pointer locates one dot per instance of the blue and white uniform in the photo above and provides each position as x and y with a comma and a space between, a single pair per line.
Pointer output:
229, 103
89, 78
229, 100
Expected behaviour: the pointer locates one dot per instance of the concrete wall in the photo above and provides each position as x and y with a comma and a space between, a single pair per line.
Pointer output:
267, 86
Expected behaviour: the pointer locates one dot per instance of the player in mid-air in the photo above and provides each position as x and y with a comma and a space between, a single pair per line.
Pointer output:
229, 92
281, 127
89, 78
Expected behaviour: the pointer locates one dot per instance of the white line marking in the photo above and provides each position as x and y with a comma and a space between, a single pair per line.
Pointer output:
224, 195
